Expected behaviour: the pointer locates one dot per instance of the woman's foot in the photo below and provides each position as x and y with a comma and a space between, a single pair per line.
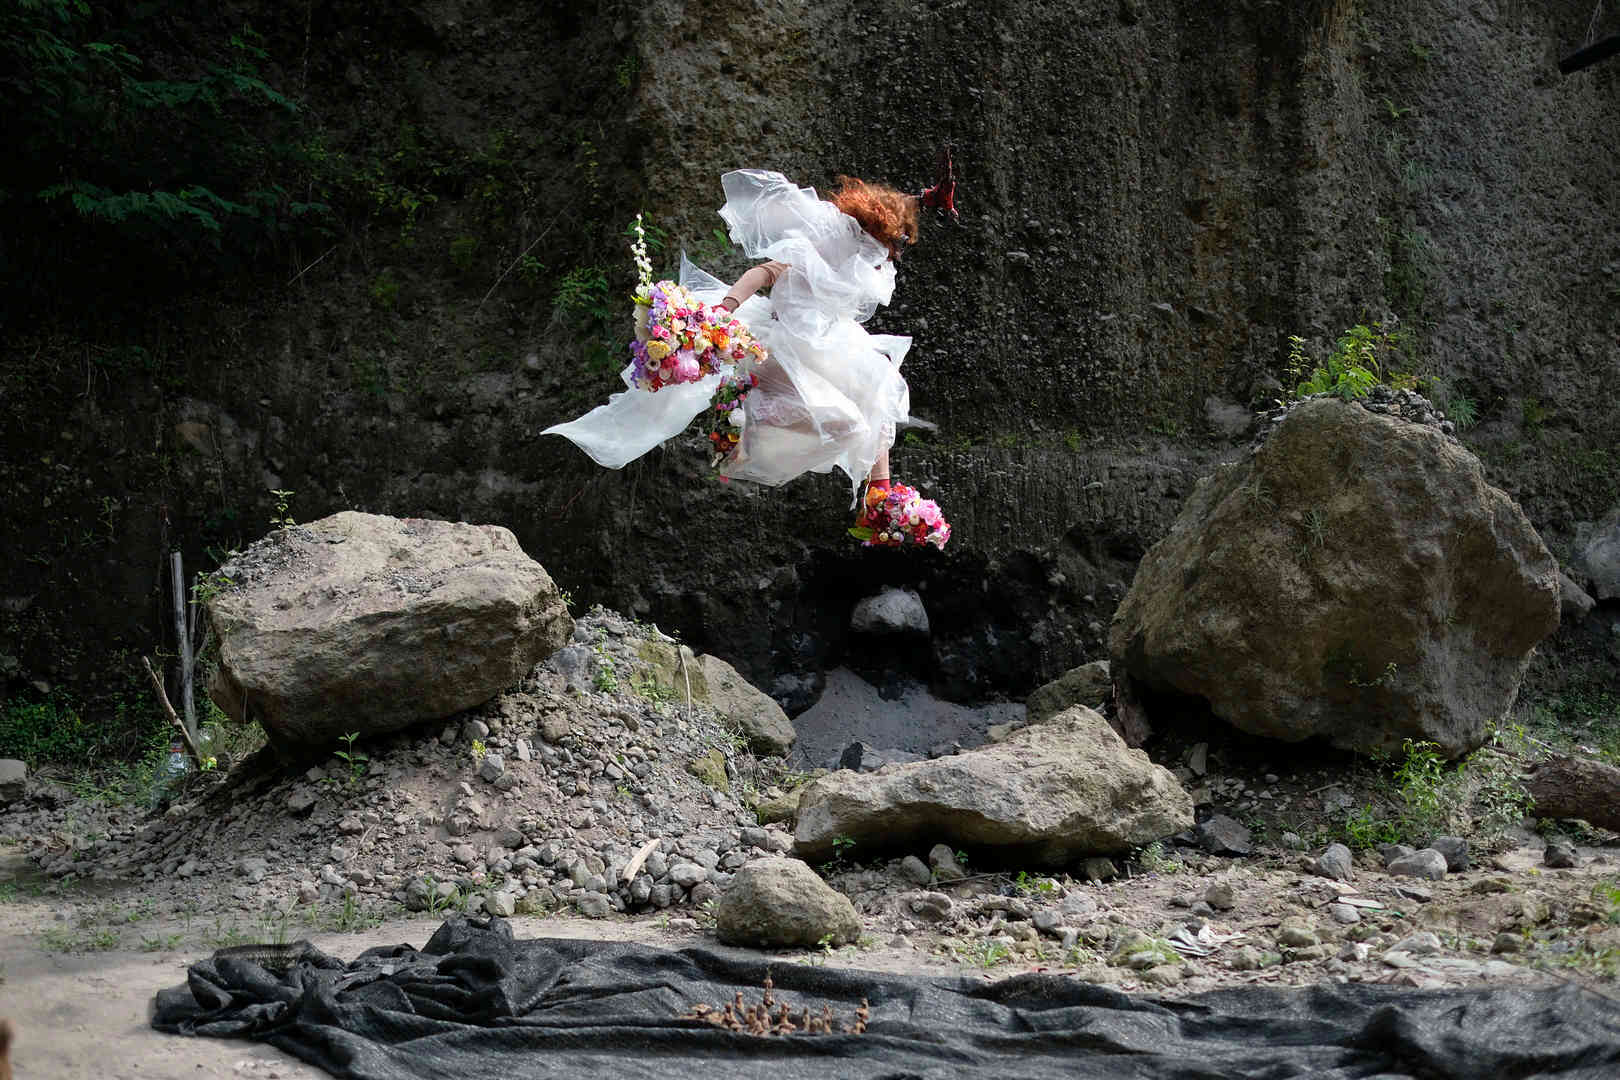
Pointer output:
894, 515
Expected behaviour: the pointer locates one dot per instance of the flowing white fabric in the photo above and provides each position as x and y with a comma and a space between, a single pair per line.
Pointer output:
831, 395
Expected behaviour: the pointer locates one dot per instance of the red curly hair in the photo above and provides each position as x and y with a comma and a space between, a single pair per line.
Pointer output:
890, 216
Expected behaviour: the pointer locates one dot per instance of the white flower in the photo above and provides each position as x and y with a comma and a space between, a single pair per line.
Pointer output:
737, 418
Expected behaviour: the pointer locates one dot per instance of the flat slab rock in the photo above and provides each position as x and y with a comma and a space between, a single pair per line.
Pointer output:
359, 622
1048, 794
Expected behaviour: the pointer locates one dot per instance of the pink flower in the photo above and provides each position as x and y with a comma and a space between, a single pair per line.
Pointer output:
686, 366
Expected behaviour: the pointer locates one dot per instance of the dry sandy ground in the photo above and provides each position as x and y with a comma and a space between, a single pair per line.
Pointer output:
84, 1014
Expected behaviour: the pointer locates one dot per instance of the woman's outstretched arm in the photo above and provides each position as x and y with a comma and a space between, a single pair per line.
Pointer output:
756, 278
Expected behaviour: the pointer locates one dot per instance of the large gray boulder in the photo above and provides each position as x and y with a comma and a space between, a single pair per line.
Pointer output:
763, 724
369, 624
1048, 794
1597, 559
1356, 579
781, 903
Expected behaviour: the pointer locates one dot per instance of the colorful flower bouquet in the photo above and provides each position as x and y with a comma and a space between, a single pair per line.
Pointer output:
898, 517
679, 339
728, 414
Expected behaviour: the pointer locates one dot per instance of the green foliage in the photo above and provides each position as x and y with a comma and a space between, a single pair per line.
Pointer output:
463, 250
1350, 370
1420, 779
1364, 829
41, 728
282, 517
606, 677
385, 290
1156, 859
149, 123
353, 760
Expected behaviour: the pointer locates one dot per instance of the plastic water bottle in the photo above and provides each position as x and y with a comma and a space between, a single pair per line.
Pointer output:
178, 766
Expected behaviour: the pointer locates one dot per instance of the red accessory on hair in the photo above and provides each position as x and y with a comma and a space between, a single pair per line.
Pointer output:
942, 196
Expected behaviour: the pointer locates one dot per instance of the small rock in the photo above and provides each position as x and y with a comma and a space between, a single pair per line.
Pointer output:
687, 874
1078, 906
1222, 835
1414, 892
1422, 943
1335, 863
1297, 933
492, 768
13, 780
1246, 958
943, 861
521, 749
418, 895
1455, 850
1428, 864
1048, 921
309, 892
1508, 942
1098, 869
1344, 913
474, 730
301, 802
915, 870
776, 903
933, 906
1198, 759
1221, 896
253, 868
501, 903
1390, 852
1355, 951
1560, 854
554, 727
593, 905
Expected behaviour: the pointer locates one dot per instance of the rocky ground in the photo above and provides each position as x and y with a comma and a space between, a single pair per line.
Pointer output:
594, 800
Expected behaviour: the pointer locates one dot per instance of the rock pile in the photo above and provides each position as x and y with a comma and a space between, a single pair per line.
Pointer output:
546, 798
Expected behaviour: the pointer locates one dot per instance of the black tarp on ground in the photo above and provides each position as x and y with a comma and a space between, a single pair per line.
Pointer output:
475, 1003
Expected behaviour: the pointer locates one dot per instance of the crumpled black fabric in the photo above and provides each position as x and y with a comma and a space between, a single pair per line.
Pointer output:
476, 1003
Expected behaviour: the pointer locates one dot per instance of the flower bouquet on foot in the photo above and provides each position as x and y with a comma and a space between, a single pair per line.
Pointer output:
680, 339
896, 516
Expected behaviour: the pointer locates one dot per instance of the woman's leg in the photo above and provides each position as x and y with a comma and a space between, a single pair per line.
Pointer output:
880, 467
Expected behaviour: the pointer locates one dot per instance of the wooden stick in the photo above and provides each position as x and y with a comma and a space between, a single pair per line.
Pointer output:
163, 698
182, 633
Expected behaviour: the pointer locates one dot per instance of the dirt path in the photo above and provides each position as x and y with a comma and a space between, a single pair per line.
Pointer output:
82, 1011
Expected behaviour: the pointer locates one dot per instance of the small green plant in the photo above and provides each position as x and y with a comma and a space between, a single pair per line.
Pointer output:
478, 751
463, 251
1534, 414
1156, 860
282, 517
160, 943
1421, 780
843, 846
354, 760
1461, 410
988, 953
606, 677
1384, 678
1028, 885
1364, 829
385, 290
1351, 369
625, 73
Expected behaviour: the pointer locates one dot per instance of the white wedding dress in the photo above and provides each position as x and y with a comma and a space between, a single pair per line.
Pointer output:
830, 395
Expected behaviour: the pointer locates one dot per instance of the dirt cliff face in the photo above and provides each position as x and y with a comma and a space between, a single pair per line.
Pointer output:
1153, 198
